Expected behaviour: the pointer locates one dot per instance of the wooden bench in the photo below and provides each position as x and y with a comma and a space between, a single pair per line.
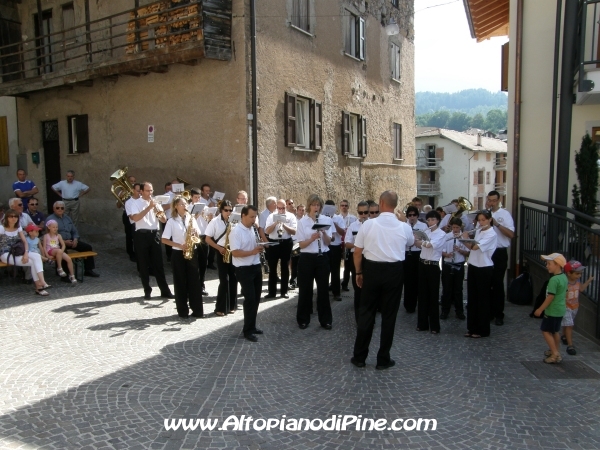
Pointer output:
78, 258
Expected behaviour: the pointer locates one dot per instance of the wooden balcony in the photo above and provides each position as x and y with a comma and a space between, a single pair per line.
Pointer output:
429, 189
136, 41
501, 188
500, 163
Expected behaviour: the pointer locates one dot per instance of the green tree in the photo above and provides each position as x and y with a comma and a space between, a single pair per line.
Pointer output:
586, 166
478, 121
495, 120
439, 119
423, 120
459, 121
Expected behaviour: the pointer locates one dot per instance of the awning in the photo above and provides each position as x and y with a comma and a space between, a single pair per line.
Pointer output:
487, 18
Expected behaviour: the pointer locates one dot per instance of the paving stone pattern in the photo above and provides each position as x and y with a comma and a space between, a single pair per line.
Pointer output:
95, 366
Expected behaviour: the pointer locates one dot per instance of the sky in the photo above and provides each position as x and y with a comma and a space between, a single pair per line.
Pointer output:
447, 59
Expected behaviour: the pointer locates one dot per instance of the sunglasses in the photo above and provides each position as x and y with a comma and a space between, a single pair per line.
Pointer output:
59, 207
12, 217
362, 213
227, 210
33, 204
19, 204
373, 212
412, 215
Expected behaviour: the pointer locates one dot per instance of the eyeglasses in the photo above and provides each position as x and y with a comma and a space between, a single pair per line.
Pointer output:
344, 206
32, 204
373, 212
281, 207
227, 210
290, 203
19, 204
412, 215
362, 213
59, 207
12, 217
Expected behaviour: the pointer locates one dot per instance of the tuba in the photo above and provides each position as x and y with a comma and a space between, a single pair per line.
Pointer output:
121, 187
187, 195
406, 207
463, 205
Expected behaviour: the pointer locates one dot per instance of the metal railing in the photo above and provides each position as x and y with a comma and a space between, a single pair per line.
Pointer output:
428, 188
500, 163
560, 229
500, 187
428, 163
112, 37
588, 43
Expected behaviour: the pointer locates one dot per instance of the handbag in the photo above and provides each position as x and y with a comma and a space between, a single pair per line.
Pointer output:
17, 249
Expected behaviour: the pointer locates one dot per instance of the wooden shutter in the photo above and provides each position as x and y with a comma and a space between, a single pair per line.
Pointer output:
487, 178
316, 116
363, 137
504, 76
290, 120
361, 38
83, 145
345, 133
475, 178
4, 157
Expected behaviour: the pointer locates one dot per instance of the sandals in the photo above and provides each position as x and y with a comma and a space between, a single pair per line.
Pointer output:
468, 335
547, 353
435, 332
61, 272
41, 292
476, 336
46, 286
553, 359
232, 311
72, 279
571, 350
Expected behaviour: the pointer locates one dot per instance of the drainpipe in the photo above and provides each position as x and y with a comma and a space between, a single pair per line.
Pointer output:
517, 134
554, 102
254, 102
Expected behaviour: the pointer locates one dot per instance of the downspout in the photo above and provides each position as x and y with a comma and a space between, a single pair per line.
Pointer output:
554, 101
254, 103
517, 134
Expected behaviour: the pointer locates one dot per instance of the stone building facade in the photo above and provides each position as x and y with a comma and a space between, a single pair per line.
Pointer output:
100, 73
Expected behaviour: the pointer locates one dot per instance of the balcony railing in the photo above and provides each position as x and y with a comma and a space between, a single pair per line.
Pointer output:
143, 39
430, 189
500, 163
560, 229
428, 163
500, 187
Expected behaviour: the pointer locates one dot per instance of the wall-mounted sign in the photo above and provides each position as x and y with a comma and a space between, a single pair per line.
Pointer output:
150, 133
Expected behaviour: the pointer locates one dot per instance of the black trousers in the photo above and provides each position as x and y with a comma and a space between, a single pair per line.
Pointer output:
411, 281
347, 256
382, 287
227, 293
335, 262
311, 268
168, 248
149, 254
211, 256
202, 251
128, 234
452, 288
357, 291
283, 253
187, 284
500, 260
250, 278
479, 292
428, 312
295, 260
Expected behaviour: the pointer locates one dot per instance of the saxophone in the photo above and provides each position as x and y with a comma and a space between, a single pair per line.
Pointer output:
227, 254
190, 240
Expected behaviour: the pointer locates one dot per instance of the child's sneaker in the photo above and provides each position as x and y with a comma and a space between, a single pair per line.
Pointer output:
571, 350
72, 279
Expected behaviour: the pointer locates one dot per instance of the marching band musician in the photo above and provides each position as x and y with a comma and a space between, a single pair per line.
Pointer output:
202, 248
185, 271
245, 258
137, 190
428, 312
348, 220
338, 228
216, 236
453, 270
207, 200
167, 209
362, 210
295, 259
147, 242
411, 263
313, 265
281, 233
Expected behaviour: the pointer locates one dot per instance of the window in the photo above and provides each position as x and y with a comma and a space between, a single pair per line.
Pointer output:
355, 36
478, 177
301, 14
475, 156
395, 61
397, 141
43, 43
78, 134
487, 178
4, 159
395, 3
303, 122
488, 156
68, 18
354, 135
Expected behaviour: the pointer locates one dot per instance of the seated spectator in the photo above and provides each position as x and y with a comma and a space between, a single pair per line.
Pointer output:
33, 241
1, 212
10, 234
70, 235
37, 216
16, 204
55, 247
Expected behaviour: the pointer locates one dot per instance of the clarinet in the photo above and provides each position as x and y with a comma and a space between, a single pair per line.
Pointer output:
263, 261
318, 240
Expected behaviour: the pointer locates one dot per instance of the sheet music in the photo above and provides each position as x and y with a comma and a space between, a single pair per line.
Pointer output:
328, 210
177, 187
218, 196
196, 208
420, 235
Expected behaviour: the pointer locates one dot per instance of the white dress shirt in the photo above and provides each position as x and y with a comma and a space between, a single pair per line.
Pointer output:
176, 229
482, 257
305, 231
451, 241
216, 229
417, 226
171, 197
262, 218
433, 249
384, 239
290, 221
149, 221
243, 238
336, 238
503, 217
350, 237
349, 219
128, 206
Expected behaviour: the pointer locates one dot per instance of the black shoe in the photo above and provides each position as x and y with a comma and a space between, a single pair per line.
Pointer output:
199, 315
212, 267
132, 259
392, 363
91, 273
357, 363
147, 296
269, 296
345, 289
330, 287
286, 295
499, 322
293, 286
204, 293
443, 316
327, 326
337, 298
251, 338
169, 295
303, 326
460, 316
257, 331
184, 317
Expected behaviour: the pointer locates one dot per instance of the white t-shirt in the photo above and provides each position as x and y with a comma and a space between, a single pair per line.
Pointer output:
262, 218
384, 239
290, 221
305, 231
176, 229
482, 257
503, 217
243, 238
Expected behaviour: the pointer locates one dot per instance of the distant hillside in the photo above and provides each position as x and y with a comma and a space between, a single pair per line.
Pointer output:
469, 101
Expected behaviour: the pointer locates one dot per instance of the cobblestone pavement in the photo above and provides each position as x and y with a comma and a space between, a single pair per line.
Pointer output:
97, 366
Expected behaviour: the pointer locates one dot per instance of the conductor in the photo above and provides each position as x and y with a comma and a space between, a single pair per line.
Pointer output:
378, 259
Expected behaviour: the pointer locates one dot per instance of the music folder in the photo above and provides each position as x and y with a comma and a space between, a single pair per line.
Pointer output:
197, 208
320, 226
